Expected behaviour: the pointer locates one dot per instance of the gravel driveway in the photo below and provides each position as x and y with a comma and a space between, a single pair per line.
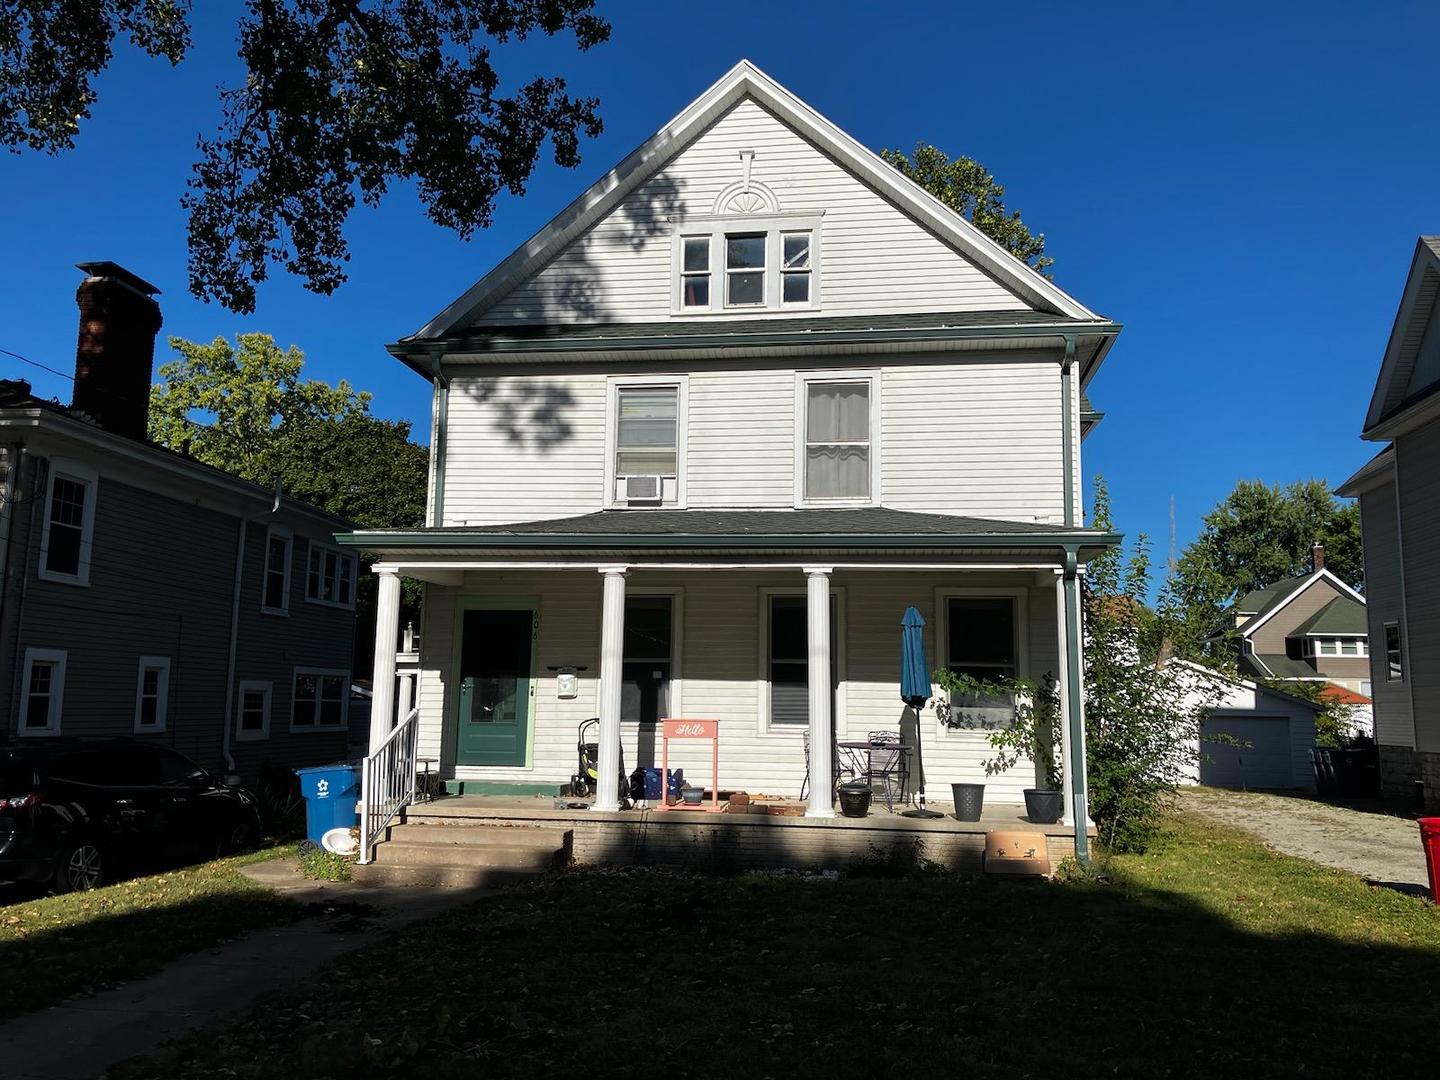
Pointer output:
1379, 847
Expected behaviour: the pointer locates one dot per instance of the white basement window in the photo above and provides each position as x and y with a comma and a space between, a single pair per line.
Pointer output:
330, 576
762, 263
836, 462
42, 691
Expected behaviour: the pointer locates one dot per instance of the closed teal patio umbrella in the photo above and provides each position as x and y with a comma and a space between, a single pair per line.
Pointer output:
915, 691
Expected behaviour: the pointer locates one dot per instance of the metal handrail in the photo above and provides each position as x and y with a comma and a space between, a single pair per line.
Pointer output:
387, 781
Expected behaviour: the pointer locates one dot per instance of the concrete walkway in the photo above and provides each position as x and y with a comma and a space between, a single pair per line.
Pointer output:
84, 1037
1382, 848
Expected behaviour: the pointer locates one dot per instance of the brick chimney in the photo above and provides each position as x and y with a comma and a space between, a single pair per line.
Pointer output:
119, 319
1317, 557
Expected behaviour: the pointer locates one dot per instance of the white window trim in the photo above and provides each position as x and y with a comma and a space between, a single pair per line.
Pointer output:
57, 657
802, 380
83, 474
677, 640
162, 697
289, 538
312, 545
716, 226
943, 595
264, 686
840, 722
1385, 647
318, 672
613, 385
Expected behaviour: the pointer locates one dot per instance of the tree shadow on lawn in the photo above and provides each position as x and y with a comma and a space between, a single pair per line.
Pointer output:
603, 973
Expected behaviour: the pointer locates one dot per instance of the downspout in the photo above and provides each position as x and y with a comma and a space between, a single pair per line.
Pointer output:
437, 440
245, 523
1067, 428
1079, 781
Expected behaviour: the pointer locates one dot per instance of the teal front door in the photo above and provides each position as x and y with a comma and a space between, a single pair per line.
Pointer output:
497, 687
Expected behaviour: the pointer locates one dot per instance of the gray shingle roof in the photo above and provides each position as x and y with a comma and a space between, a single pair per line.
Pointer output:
1343, 615
1284, 667
1261, 601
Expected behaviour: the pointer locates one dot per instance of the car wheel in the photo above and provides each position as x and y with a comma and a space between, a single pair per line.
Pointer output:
239, 836
81, 867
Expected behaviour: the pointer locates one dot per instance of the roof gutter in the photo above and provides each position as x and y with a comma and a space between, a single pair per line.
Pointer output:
433, 539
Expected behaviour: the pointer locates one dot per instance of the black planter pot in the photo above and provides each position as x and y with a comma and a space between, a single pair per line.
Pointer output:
1044, 806
854, 799
969, 801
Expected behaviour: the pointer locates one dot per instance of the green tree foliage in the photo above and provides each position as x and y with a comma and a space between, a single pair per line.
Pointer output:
248, 409
1142, 717
340, 99
968, 188
1258, 535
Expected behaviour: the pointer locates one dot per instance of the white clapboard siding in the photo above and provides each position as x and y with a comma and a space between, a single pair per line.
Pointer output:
968, 433
875, 259
718, 671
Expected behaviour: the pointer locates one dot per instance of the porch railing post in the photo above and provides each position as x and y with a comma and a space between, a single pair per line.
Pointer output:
387, 628
612, 653
1062, 650
817, 594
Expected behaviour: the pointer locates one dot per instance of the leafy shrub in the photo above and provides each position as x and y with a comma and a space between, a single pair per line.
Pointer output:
325, 865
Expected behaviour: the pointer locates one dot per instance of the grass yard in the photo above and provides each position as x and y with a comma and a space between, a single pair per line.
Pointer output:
55, 946
1206, 957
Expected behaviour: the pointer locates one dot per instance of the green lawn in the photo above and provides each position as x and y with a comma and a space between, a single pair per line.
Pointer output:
55, 946
1208, 957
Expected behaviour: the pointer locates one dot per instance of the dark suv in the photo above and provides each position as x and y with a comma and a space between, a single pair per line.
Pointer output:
74, 811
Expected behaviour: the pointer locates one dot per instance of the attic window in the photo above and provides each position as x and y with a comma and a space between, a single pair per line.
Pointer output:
763, 263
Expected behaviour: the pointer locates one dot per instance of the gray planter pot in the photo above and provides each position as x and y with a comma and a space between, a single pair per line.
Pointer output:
1044, 806
969, 801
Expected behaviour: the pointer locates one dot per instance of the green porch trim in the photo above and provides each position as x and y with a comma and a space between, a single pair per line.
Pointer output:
379, 541
499, 787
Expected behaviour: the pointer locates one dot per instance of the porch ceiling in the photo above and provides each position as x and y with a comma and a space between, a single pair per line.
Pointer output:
875, 529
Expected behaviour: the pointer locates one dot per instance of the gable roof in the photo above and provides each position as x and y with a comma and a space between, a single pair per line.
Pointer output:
1342, 616
742, 81
1261, 600
1393, 396
1282, 593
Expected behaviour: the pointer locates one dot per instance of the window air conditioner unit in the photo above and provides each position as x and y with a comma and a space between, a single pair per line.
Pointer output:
643, 489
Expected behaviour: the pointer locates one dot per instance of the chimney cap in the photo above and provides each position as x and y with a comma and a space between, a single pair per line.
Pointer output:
107, 269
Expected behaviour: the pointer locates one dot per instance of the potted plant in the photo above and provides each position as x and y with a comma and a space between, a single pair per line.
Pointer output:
1032, 732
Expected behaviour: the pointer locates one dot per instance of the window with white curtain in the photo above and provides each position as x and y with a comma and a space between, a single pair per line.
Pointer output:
836, 463
646, 429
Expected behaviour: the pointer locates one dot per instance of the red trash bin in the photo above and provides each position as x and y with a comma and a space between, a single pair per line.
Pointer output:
1430, 838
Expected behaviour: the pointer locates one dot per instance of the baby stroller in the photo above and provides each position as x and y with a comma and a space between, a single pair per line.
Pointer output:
584, 782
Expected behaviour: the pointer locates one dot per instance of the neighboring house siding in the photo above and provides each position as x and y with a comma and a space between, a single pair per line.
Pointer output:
973, 434
874, 258
1343, 667
162, 578
1418, 476
1270, 638
1393, 723
720, 671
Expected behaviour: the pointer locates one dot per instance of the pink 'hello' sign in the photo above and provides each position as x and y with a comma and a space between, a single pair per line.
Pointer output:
691, 729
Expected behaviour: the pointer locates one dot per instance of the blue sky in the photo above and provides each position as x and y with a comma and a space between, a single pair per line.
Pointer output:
1240, 185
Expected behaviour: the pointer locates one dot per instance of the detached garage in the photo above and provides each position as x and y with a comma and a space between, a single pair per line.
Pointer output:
1275, 733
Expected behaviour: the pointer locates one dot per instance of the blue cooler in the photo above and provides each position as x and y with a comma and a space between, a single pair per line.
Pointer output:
331, 794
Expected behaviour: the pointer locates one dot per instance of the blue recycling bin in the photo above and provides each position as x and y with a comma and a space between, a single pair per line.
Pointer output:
331, 794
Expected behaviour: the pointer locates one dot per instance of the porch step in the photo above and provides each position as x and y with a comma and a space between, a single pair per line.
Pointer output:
464, 856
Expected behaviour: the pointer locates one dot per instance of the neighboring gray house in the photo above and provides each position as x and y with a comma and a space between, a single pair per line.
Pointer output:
144, 593
1399, 493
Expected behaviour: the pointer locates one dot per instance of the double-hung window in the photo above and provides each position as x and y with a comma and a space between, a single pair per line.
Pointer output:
981, 639
68, 524
1394, 654
330, 576
649, 658
835, 459
645, 459
787, 661
276, 580
321, 699
152, 694
746, 263
42, 691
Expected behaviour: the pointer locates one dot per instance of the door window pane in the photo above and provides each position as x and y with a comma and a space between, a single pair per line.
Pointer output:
646, 430
645, 693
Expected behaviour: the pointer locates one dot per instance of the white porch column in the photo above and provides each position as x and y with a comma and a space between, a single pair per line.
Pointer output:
1063, 654
1072, 694
817, 621
387, 627
612, 653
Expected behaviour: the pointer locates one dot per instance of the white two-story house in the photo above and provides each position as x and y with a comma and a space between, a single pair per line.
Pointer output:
700, 442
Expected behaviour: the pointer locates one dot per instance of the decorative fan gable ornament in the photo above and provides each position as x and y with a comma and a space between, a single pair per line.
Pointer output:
747, 195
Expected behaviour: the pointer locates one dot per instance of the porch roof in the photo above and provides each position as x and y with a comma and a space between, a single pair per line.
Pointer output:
808, 530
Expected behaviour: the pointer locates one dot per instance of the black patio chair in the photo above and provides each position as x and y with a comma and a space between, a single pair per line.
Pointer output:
838, 768
888, 768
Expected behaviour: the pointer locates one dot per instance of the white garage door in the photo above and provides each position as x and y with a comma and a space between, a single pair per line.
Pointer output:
1267, 761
